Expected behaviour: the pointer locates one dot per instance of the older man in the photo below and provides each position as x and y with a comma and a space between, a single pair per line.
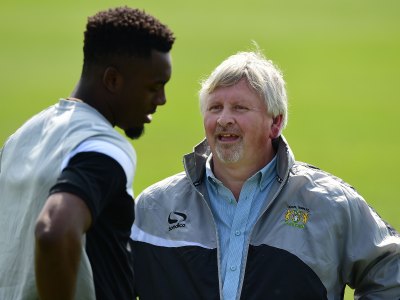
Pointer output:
246, 221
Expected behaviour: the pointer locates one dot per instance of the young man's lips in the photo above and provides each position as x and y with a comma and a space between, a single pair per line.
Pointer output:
149, 116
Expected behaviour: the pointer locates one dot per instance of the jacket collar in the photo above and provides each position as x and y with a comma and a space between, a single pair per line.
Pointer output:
194, 162
285, 158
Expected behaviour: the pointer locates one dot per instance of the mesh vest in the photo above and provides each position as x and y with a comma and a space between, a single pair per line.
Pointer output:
30, 163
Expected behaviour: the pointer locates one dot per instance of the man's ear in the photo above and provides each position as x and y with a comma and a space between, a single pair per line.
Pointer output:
112, 80
276, 126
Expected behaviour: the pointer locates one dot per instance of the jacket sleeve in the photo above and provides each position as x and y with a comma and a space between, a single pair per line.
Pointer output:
372, 257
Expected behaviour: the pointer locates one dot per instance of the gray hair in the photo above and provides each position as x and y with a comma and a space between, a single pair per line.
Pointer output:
262, 75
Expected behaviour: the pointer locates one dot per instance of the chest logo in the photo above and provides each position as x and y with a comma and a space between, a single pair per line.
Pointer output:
176, 220
297, 216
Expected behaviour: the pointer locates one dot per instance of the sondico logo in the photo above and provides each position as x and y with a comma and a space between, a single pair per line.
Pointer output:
176, 218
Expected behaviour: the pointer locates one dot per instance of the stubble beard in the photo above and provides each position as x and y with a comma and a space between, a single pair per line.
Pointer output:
134, 132
229, 153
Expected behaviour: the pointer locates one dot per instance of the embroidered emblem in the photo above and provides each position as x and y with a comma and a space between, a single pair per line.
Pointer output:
297, 216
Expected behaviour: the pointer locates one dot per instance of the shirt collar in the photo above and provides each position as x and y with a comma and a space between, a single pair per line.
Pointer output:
210, 174
265, 175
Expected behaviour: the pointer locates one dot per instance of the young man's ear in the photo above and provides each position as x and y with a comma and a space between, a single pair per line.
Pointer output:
112, 80
276, 126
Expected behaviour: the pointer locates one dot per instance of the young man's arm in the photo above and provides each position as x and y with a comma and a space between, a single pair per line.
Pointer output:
59, 230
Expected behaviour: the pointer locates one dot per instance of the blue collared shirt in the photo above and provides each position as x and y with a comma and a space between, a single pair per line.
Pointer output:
235, 220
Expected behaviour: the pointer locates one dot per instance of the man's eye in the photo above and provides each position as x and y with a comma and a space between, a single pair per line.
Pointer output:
215, 108
241, 108
156, 88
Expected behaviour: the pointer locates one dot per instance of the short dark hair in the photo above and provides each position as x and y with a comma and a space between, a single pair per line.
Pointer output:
124, 31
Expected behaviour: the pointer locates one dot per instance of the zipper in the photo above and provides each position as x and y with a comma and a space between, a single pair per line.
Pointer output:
282, 182
195, 185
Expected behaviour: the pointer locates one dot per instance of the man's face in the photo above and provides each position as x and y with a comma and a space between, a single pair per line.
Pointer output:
143, 90
237, 125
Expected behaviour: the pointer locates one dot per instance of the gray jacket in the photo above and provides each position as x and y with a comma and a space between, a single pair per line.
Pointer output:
315, 235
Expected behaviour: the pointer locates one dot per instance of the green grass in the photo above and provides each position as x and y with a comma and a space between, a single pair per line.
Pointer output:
340, 61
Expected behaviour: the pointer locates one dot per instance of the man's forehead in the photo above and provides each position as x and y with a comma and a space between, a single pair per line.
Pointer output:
156, 67
239, 92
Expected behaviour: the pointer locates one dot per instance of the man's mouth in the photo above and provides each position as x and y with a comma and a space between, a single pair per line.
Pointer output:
149, 116
227, 137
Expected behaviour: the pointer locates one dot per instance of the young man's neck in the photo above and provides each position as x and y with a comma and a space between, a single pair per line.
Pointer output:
93, 96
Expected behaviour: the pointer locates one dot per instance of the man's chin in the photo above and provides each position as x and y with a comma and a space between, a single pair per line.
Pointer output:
229, 154
134, 132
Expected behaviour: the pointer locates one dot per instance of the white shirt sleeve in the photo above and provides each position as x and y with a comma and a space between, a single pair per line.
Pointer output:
106, 148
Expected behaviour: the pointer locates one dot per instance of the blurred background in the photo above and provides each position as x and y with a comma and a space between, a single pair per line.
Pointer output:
340, 60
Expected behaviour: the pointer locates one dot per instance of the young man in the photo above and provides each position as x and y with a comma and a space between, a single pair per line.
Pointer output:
66, 200
247, 221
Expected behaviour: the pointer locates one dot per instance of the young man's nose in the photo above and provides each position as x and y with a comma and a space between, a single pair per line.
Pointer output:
161, 98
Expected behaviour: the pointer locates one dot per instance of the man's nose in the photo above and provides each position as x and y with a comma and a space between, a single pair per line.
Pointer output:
225, 119
161, 98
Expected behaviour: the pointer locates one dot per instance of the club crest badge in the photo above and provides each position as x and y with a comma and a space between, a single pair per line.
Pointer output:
297, 216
